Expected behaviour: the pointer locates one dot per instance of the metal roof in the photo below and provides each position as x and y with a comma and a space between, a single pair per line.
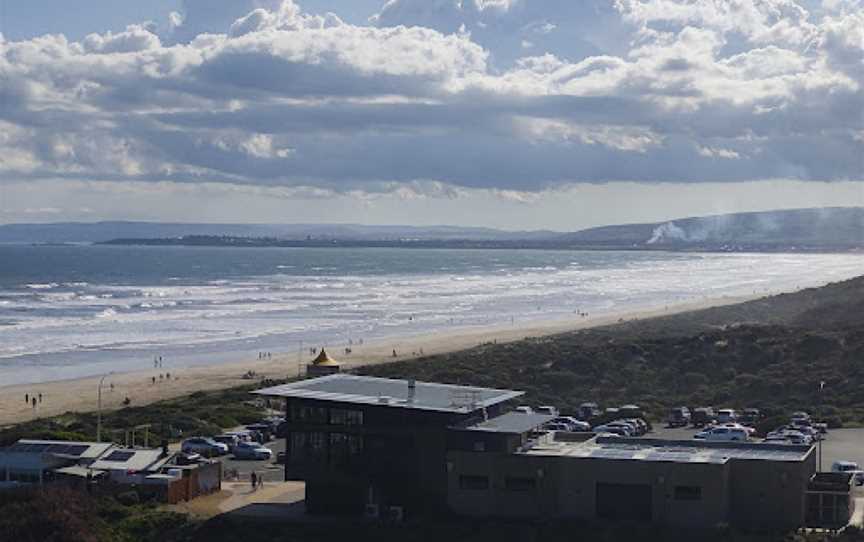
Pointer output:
511, 422
75, 450
367, 390
677, 451
131, 460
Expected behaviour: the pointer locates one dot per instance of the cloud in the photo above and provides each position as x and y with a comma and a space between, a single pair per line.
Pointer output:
438, 96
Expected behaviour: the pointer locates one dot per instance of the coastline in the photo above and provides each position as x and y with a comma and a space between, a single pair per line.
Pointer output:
80, 394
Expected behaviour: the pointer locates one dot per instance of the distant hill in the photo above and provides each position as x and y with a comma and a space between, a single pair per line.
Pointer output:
825, 228
838, 228
95, 232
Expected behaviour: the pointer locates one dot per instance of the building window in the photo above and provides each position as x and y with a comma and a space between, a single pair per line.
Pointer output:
354, 417
317, 441
341, 416
519, 484
298, 446
473, 482
688, 493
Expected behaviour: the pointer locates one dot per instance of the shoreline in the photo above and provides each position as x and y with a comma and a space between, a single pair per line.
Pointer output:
80, 394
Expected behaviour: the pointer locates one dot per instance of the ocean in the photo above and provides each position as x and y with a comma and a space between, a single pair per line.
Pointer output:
74, 311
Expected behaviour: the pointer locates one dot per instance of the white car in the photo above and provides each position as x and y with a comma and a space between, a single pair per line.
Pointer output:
524, 409
726, 415
789, 435
573, 423
552, 426
723, 434
735, 425
628, 429
204, 446
849, 467
252, 450
619, 430
550, 410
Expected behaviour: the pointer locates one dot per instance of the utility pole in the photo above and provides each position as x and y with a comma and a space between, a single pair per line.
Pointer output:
99, 408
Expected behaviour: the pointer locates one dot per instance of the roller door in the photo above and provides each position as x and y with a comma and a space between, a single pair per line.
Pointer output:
624, 502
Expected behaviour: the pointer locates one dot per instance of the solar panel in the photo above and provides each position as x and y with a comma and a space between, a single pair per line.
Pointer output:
120, 456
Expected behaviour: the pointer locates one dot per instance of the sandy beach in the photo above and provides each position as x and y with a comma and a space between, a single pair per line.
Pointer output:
81, 394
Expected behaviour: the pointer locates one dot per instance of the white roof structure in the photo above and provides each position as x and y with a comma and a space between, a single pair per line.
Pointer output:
367, 390
676, 451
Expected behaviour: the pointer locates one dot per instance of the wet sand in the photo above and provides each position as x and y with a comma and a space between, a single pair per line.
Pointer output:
80, 395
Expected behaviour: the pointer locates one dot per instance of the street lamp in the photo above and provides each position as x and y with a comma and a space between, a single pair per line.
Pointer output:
99, 408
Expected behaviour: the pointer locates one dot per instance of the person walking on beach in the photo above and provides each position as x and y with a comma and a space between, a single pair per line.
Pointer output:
254, 479
40, 398
27, 398
33, 400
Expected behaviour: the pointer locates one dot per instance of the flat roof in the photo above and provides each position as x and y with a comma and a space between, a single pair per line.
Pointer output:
676, 451
131, 460
74, 450
367, 390
511, 422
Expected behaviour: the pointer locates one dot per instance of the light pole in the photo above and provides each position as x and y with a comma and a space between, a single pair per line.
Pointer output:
99, 408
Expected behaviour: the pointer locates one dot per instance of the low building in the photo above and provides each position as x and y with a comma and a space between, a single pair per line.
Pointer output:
42, 461
689, 483
399, 446
152, 472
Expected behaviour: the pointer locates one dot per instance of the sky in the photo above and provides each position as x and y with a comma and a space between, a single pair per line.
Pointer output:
517, 114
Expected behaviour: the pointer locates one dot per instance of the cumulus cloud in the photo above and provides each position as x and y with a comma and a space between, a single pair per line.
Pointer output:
436, 95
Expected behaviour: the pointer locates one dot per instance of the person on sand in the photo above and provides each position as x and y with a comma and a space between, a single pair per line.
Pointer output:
394, 352
254, 479
40, 398
27, 398
33, 400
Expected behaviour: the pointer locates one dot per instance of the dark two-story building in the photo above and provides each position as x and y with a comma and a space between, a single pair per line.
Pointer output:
366, 444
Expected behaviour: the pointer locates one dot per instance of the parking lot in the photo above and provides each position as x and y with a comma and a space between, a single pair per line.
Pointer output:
271, 471
845, 444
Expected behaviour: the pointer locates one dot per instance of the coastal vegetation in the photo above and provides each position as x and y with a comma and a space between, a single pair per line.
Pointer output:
201, 413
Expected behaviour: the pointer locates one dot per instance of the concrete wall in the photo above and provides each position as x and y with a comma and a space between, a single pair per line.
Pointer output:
566, 487
770, 494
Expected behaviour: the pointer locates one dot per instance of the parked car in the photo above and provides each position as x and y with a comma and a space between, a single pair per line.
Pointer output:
587, 411
679, 417
228, 439
263, 429
546, 409
702, 416
790, 435
750, 416
573, 423
726, 415
614, 429
723, 434
628, 429
251, 450
524, 409
205, 446
800, 418
630, 411
552, 426
849, 467
735, 425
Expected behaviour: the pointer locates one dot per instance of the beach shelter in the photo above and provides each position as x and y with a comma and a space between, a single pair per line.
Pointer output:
323, 365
